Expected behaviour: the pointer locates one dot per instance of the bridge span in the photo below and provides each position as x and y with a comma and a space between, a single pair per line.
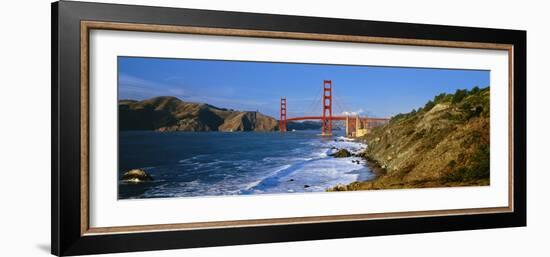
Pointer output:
355, 125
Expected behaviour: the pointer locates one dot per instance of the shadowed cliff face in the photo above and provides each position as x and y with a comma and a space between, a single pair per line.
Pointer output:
445, 143
167, 113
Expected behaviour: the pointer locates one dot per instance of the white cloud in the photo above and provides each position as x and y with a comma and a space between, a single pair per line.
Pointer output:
353, 113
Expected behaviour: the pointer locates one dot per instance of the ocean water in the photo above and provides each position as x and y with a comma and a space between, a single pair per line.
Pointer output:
185, 164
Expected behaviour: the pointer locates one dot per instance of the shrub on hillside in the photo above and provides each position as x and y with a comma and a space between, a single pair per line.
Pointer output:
479, 167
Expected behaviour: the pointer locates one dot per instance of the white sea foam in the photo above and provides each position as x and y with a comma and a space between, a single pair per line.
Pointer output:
317, 174
321, 174
341, 138
292, 159
308, 169
255, 183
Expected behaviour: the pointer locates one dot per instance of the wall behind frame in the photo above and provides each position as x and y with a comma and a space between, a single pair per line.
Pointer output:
25, 127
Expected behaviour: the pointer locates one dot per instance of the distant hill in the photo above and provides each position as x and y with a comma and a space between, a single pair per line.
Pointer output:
305, 125
445, 143
166, 113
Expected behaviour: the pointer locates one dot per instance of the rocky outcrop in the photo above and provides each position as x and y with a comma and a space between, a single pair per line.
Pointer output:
249, 121
136, 176
171, 114
342, 153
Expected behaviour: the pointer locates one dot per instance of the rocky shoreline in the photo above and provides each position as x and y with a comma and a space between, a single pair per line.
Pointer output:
443, 144
373, 166
384, 181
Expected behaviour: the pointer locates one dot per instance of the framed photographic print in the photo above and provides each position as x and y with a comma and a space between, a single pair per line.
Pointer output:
177, 128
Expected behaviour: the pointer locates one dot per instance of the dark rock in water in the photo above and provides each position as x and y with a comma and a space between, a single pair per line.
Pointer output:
339, 187
341, 153
306, 186
136, 175
291, 179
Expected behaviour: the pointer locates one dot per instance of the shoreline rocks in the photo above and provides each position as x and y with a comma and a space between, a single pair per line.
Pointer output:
136, 176
342, 153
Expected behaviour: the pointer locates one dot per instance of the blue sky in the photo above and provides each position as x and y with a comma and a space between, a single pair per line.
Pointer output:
251, 86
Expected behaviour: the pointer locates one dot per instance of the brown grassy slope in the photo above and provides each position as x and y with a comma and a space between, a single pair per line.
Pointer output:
446, 143
167, 113
249, 121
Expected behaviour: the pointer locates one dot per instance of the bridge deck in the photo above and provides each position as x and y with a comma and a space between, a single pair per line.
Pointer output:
336, 118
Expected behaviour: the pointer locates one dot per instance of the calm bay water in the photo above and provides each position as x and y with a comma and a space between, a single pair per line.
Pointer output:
215, 163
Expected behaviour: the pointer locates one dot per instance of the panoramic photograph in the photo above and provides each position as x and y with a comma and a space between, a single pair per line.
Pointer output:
192, 127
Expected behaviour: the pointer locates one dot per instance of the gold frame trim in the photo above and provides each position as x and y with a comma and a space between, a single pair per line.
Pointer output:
86, 26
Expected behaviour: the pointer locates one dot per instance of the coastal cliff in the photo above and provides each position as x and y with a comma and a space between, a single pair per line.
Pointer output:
166, 113
444, 143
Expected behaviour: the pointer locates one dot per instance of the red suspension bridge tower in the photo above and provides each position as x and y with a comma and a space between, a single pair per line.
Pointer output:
327, 108
355, 126
282, 118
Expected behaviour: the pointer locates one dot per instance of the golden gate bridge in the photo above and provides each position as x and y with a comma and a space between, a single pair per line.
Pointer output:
356, 125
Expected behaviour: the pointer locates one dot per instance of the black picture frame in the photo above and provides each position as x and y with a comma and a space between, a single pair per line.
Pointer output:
66, 234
